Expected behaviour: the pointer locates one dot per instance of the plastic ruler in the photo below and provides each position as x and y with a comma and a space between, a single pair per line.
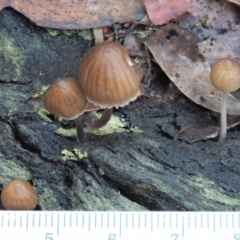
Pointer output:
72, 225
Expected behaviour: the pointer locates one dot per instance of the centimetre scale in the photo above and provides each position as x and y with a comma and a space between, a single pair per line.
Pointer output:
62, 225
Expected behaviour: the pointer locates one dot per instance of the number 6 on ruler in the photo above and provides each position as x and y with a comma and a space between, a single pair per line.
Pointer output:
112, 236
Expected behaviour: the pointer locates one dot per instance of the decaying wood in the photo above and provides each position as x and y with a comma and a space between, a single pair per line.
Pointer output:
138, 166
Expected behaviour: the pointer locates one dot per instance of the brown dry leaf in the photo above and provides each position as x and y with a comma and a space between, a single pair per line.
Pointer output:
220, 13
77, 14
194, 133
176, 51
219, 46
162, 11
235, 1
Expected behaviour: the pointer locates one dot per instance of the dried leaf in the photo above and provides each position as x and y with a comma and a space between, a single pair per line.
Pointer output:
220, 15
77, 14
194, 133
218, 46
162, 11
175, 50
235, 1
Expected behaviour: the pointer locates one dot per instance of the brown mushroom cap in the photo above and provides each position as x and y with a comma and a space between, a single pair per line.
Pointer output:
64, 98
19, 194
225, 75
107, 77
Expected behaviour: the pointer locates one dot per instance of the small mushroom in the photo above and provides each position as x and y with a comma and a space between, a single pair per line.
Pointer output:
225, 76
64, 98
19, 194
108, 79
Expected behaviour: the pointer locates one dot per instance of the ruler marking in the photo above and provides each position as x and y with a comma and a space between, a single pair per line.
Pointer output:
157, 220
120, 225
83, 220
126, 220
21, 221
70, 220
151, 222
33, 219
195, 220
145, 220
207, 220
232, 220
8, 220
39, 220
189, 220
214, 223
176, 220
95, 220
201, 220
2, 219
114, 220
226, 221
27, 223
107, 220
220, 222
89, 221
183, 226
101, 220
132, 220
238, 220
170, 222
52, 220
58, 225
76, 220
164, 220
45, 220
139, 220
15, 219
64, 220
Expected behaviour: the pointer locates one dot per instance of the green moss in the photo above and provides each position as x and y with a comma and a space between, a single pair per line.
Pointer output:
210, 190
66, 132
42, 113
11, 51
85, 34
80, 154
75, 154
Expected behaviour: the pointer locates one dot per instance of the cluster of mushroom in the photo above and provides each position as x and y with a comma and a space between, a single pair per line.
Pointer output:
106, 78
225, 76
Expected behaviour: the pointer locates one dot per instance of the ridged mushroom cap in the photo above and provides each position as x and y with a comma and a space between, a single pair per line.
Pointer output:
107, 77
19, 194
65, 98
225, 75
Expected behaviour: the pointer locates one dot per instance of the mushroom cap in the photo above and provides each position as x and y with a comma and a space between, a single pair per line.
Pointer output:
65, 98
19, 194
225, 75
107, 77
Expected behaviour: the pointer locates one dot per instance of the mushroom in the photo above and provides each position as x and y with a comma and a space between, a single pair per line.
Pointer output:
64, 98
108, 79
225, 76
19, 194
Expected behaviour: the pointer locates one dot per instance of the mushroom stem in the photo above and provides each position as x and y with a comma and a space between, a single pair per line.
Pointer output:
94, 122
80, 130
223, 131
